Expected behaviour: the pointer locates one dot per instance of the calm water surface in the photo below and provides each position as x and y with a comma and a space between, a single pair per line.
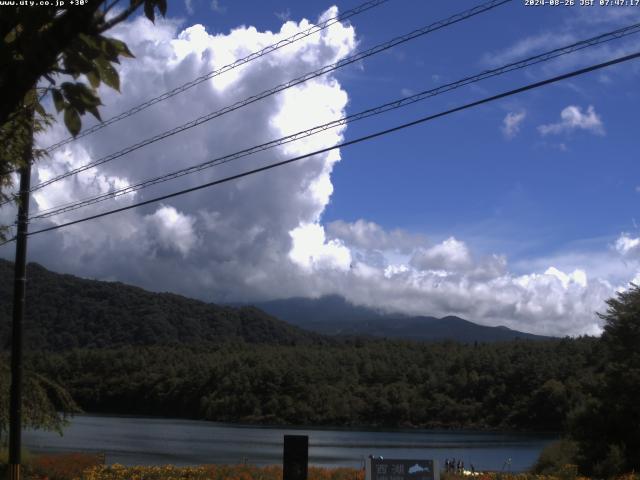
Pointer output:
152, 441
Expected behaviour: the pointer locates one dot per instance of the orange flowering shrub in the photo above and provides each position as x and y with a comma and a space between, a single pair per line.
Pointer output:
212, 472
78, 466
61, 466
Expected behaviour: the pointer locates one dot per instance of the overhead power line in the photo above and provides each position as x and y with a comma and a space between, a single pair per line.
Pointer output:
226, 68
427, 118
533, 60
242, 61
308, 76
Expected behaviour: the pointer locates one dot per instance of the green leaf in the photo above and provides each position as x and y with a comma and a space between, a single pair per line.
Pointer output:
121, 47
13, 33
31, 97
40, 109
72, 120
94, 77
94, 111
108, 74
76, 63
80, 96
88, 40
11, 36
109, 49
162, 6
149, 10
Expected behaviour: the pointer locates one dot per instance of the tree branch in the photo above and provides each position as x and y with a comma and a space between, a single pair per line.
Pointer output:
121, 17
22, 74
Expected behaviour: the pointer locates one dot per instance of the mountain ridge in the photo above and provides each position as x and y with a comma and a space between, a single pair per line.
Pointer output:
66, 312
339, 317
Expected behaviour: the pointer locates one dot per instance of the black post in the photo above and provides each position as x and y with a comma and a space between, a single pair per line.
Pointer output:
295, 457
19, 288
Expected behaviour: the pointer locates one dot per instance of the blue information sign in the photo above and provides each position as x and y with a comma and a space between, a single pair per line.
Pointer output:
401, 469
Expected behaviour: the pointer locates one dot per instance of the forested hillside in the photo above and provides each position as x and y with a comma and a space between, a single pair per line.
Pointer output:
64, 311
121, 349
520, 384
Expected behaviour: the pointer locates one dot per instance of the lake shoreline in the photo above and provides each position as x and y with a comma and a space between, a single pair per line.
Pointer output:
134, 440
350, 427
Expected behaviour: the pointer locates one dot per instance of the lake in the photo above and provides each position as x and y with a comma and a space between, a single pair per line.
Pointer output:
153, 441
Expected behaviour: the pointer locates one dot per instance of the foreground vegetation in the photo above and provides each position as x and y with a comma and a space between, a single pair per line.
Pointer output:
82, 466
77, 466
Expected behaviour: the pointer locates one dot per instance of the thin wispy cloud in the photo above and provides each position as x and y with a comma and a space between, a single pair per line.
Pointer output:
284, 15
217, 7
511, 123
188, 5
584, 24
527, 47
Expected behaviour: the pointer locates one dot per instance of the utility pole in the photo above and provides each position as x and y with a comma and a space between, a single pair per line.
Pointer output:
19, 289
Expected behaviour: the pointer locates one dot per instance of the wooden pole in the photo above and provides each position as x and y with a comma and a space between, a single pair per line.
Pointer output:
19, 289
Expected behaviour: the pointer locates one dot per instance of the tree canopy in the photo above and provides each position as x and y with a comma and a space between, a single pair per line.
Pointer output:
58, 52
46, 404
608, 428
61, 52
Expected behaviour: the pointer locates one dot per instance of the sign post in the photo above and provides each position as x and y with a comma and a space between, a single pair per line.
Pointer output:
401, 469
295, 457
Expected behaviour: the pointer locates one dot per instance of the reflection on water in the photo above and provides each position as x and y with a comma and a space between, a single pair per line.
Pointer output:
149, 441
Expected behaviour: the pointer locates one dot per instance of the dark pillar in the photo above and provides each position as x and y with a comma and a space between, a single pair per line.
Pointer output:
19, 288
295, 458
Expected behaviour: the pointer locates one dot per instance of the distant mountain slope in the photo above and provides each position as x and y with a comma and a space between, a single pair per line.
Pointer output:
333, 315
64, 311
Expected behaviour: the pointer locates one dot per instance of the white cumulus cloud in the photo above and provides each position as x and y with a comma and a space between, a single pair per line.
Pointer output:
311, 250
627, 245
172, 229
451, 254
574, 118
232, 241
262, 236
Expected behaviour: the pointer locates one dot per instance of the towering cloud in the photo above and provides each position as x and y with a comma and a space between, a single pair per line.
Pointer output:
262, 236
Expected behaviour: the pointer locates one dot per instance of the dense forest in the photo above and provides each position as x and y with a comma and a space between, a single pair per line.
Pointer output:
520, 385
65, 312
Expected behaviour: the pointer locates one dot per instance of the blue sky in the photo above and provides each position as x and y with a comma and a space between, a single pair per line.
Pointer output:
521, 212
529, 195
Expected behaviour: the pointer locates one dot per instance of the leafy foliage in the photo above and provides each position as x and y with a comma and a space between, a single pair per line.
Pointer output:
607, 428
46, 405
356, 383
555, 457
39, 46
